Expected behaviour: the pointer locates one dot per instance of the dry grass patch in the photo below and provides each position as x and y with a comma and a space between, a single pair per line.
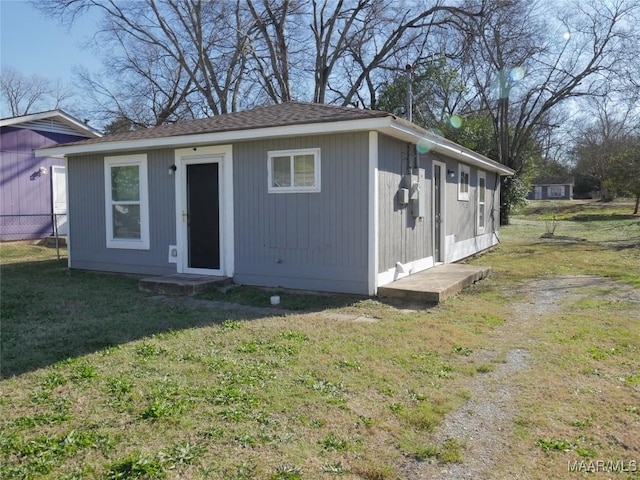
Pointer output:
102, 381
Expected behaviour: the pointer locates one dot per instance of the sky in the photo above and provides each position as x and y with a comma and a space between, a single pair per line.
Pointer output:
34, 44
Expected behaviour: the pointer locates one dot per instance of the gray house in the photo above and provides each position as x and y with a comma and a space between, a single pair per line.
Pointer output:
296, 195
552, 188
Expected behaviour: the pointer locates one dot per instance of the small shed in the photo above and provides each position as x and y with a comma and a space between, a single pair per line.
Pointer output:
295, 195
552, 188
34, 188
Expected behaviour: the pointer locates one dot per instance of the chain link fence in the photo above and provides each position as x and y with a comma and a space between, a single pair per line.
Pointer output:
32, 237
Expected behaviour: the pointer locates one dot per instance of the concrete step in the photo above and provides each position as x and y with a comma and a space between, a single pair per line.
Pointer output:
434, 284
50, 241
182, 284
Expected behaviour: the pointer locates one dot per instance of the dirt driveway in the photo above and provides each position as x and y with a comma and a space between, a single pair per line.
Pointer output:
485, 424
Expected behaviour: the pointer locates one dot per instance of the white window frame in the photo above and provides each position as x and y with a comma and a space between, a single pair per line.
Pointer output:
482, 205
139, 160
464, 171
291, 154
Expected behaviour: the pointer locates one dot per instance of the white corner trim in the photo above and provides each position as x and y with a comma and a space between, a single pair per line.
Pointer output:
402, 270
66, 186
465, 248
373, 214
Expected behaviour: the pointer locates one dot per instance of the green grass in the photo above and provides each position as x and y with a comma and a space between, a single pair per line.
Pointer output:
607, 245
28, 251
102, 381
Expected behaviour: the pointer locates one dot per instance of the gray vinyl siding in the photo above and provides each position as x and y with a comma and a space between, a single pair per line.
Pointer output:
402, 238
87, 235
303, 240
462, 215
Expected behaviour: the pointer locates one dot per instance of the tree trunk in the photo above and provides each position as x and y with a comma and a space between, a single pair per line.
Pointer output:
635, 210
504, 202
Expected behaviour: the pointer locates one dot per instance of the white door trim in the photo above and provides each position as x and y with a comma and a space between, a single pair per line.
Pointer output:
223, 155
59, 197
443, 211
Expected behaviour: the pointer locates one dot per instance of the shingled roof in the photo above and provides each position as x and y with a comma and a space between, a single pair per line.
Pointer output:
282, 120
281, 115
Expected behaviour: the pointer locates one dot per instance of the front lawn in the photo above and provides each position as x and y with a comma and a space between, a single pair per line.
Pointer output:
103, 381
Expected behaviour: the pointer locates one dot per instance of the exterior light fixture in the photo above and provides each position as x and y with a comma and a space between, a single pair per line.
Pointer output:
451, 173
172, 169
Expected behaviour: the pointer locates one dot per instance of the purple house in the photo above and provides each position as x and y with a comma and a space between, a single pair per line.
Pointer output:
35, 188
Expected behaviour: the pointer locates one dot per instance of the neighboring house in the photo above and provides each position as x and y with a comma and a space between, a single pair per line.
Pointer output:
296, 195
545, 188
34, 188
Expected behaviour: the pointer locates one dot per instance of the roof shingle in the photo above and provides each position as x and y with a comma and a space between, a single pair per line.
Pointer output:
280, 115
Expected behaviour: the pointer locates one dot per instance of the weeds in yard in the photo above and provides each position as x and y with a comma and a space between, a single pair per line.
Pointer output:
122, 385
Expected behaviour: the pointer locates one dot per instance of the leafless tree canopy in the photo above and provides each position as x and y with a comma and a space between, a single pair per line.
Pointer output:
172, 59
23, 94
518, 64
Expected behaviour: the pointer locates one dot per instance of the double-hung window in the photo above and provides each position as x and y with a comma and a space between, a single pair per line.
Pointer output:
126, 202
482, 194
464, 174
295, 171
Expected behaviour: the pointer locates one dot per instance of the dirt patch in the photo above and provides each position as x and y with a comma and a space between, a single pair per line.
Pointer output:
485, 423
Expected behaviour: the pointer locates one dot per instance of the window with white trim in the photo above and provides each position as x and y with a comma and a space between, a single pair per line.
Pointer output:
294, 171
556, 191
482, 194
126, 202
464, 174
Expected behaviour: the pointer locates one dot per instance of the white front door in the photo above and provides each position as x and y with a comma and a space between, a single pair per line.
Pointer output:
59, 198
204, 211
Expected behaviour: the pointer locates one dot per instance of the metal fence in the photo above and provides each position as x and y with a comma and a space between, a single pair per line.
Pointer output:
33, 237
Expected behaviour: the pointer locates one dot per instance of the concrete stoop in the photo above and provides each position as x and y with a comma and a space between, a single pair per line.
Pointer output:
182, 284
434, 284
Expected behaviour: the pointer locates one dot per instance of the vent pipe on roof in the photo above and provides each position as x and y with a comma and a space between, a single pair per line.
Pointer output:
409, 69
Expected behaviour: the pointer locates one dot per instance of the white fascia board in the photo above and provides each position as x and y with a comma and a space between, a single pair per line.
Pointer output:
447, 148
218, 137
387, 125
57, 114
5, 122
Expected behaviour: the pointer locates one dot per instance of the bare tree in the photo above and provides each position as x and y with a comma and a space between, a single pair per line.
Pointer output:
172, 47
384, 36
142, 87
24, 94
524, 65
606, 146
216, 57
